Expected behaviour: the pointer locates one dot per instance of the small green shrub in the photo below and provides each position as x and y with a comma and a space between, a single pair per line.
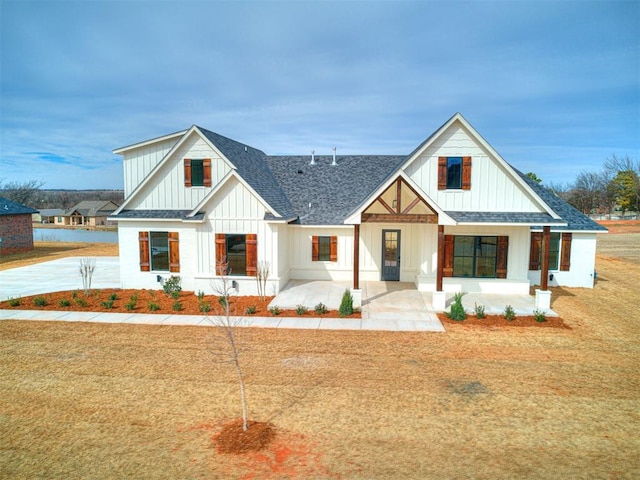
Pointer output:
81, 302
539, 316
171, 285
40, 301
74, 295
130, 305
153, 306
509, 313
64, 303
205, 307
275, 310
346, 305
108, 304
479, 311
175, 295
456, 311
113, 296
200, 295
320, 308
251, 309
134, 298
222, 300
177, 306
301, 310
15, 302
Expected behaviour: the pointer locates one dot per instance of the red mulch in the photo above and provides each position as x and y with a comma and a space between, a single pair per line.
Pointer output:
500, 321
189, 303
233, 439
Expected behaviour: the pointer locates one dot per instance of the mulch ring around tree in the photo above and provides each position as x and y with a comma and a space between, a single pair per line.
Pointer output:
501, 321
155, 301
233, 439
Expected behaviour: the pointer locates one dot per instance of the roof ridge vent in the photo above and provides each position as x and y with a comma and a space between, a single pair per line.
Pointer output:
313, 157
334, 163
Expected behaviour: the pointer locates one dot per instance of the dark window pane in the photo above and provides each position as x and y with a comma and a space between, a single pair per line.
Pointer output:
324, 249
474, 256
159, 251
554, 251
197, 173
454, 172
236, 255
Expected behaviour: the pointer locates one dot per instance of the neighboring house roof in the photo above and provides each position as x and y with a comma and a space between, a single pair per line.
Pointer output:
333, 191
93, 208
9, 207
576, 220
52, 212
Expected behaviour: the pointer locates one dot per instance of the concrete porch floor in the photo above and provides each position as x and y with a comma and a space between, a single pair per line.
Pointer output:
395, 303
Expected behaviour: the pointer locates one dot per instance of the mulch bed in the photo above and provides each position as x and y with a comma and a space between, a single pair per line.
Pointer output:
97, 301
500, 321
233, 439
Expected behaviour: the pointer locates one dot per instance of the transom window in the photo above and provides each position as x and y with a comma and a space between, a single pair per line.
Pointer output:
474, 256
454, 172
159, 243
197, 173
236, 250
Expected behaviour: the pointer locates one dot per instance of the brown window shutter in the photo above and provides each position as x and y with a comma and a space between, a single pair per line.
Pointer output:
187, 172
534, 251
206, 168
251, 240
315, 249
442, 173
502, 256
174, 252
221, 252
565, 259
447, 270
333, 254
466, 173
143, 241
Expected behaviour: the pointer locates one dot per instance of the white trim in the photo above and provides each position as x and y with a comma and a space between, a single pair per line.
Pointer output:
218, 187
144, 143
514, 224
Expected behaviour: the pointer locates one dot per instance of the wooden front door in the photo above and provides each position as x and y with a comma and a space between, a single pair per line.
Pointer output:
391, 255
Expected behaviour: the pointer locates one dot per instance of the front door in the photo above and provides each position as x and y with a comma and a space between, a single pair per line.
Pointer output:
391, 255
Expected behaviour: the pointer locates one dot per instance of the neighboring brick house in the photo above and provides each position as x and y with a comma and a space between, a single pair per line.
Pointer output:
16, 231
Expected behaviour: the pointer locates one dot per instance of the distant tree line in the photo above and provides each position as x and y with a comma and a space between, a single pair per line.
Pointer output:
31, 194
616, 187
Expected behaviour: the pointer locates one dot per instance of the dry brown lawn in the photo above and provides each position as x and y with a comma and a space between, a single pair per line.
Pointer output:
129, 401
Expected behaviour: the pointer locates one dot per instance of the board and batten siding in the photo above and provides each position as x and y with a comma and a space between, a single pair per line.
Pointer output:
492, 187
166, 189
140, 161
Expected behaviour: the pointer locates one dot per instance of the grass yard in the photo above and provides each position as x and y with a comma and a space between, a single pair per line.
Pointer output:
130, 401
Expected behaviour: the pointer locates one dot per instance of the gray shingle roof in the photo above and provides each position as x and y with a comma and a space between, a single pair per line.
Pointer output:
252, 167
503, 217
576, 220
159, 215
333, 191
93, 208
9, 207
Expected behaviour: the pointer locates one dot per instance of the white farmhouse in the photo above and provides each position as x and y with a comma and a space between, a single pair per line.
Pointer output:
452, 215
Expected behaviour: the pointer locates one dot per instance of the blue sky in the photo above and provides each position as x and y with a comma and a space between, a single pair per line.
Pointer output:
554, 86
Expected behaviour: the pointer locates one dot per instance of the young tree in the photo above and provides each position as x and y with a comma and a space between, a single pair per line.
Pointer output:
626, 187
586, 194
226, 329
534, 177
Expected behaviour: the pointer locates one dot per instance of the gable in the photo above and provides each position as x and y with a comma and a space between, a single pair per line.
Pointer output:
165, 187
233, 200
494, 186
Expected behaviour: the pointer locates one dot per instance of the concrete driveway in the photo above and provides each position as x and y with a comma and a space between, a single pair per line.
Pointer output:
56, 276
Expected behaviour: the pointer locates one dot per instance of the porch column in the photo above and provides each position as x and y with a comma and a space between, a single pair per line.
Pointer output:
356, 293
544, 264
543, 295
439, 299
